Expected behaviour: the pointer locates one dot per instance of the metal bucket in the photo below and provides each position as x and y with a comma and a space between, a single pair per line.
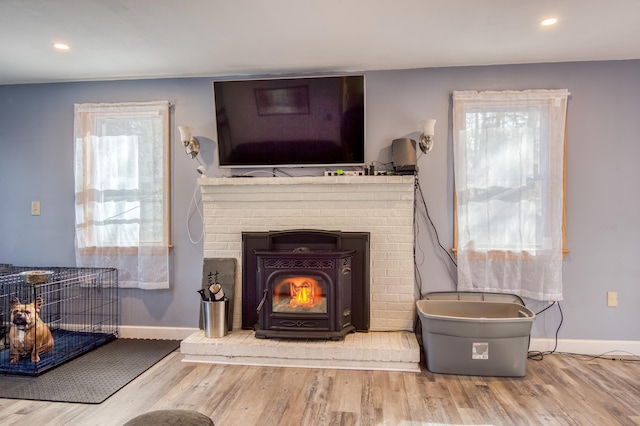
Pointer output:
214, 318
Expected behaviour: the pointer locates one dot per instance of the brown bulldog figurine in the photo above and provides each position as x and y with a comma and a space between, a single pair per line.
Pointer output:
29, 335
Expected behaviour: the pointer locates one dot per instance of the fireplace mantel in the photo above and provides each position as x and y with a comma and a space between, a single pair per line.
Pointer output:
380, 205
306, 180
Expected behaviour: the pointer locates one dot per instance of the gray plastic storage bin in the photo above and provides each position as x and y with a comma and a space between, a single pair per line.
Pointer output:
477, 334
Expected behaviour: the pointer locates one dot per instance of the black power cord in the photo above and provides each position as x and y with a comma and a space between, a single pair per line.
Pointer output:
539, 355
424, 204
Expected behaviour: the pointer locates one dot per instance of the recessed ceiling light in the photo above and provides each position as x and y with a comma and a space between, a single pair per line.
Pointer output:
60, 46
549, 21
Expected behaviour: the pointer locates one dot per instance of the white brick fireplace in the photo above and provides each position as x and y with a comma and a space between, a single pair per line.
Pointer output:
380, 205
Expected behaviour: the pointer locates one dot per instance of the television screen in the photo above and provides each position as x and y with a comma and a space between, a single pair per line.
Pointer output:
290, 122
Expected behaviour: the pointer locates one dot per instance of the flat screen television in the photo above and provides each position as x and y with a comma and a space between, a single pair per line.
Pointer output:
290, 122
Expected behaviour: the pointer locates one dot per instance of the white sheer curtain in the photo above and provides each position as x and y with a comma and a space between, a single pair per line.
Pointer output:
509, 179
122, 190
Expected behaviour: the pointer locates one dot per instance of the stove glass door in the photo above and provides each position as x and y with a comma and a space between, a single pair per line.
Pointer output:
299, 293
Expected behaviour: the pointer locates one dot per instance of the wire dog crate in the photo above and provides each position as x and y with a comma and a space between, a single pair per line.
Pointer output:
79, 305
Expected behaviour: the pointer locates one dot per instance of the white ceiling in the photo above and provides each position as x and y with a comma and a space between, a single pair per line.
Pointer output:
125, 39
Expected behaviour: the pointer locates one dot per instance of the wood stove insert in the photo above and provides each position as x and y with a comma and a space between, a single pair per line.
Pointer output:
305, 293
311, 247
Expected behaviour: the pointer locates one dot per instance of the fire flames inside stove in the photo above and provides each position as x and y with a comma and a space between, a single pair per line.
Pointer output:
299, 293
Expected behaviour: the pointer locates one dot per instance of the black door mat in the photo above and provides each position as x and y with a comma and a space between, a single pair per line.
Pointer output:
92, 377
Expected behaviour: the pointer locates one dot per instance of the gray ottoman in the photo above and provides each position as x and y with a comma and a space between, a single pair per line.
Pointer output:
170, 418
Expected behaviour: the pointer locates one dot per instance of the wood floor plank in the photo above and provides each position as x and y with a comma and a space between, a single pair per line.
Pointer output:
317, 409
347, 390
393, 398
367, 406
558, 390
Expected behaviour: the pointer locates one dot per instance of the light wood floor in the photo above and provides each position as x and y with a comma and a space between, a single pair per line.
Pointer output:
560, 390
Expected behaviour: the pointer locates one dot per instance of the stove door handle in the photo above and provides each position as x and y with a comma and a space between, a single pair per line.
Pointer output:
264, 298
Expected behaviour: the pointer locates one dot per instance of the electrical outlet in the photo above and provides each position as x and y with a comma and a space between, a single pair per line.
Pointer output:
35, 208
612, 299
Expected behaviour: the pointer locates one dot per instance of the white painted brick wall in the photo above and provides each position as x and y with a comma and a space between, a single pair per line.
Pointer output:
380, 205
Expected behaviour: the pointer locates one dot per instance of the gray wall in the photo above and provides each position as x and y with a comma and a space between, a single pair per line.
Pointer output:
603, 210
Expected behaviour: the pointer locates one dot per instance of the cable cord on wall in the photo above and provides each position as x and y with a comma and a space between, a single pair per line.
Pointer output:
416, 230
418, 190
195, 202
539, 355
611, 357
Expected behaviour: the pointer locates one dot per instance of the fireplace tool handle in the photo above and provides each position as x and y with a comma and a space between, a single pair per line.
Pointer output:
264, 298
202, 295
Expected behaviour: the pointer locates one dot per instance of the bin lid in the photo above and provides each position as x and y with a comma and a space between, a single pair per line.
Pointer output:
475, 296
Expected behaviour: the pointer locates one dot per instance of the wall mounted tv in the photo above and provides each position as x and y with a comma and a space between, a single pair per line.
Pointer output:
290, 122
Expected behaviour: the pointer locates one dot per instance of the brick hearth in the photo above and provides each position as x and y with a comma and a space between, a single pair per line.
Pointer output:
389, 351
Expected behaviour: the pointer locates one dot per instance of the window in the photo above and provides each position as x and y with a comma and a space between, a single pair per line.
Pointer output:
509, 177
122, 190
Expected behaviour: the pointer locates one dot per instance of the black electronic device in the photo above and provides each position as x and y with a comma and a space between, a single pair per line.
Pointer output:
403, 152
290, 122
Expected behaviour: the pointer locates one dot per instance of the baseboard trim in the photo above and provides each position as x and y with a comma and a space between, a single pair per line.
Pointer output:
587, 347
577, 346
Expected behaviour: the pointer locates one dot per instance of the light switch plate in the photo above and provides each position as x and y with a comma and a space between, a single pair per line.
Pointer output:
35, 208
